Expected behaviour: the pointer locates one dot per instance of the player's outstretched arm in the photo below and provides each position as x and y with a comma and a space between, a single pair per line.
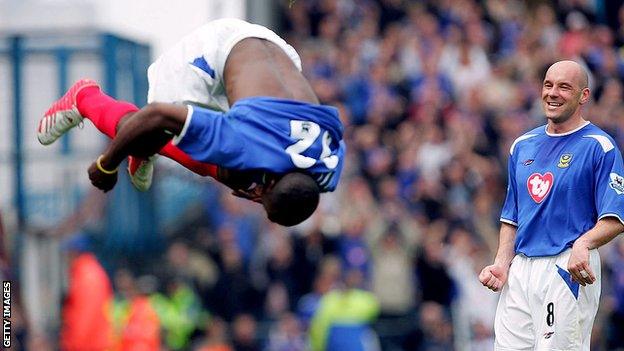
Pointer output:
494, 276
142, 135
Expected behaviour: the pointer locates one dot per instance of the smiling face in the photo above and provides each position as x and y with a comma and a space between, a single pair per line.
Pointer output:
564, 90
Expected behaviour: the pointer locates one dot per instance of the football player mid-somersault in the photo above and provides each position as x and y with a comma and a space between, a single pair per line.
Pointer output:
228, 101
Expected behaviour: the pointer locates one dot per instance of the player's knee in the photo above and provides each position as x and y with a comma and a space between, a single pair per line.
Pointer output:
292, 200
150, 115
165, 116
154, 112
158, 116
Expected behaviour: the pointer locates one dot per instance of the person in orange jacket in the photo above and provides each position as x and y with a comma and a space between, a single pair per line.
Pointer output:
86, 324
140, 330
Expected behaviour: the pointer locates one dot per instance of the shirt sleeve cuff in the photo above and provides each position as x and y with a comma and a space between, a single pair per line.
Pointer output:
176, 139
509, 221
611, 215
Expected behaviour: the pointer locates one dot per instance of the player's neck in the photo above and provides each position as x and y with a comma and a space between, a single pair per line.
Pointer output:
570, 125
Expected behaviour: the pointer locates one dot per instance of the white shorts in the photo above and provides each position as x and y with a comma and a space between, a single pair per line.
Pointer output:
192, 70
539, 310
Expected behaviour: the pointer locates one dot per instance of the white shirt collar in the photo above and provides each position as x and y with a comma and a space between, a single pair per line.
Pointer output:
566, 133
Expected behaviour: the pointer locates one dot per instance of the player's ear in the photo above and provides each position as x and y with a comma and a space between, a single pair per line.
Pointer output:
585, 95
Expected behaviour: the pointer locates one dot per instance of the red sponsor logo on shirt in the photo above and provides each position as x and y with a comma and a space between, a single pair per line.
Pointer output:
539, 185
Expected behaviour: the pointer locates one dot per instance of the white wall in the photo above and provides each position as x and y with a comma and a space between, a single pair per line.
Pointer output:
163, 22
158, 22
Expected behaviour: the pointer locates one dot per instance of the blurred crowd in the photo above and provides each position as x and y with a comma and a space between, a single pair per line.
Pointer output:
432, 94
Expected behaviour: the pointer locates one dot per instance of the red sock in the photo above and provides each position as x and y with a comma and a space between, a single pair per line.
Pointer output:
104, 111
203, 169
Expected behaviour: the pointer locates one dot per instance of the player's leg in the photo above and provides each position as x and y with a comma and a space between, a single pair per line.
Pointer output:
566, 315
513, 325
85, 100
174, 153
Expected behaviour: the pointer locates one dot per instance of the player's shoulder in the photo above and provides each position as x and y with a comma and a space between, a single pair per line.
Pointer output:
598, 138
536, 132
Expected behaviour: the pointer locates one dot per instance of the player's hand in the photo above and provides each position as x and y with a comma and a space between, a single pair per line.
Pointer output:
254, 194
101, 180
578, 264
494, 277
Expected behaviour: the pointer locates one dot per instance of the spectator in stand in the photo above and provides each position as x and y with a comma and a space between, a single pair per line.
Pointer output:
190, 266
215, 336
287, 335
433, 274
86, 323
244, 333
393, 280
344, 317
179, 312
140, 324
328, 278
615, 262
233, 293
310, 251
434, 331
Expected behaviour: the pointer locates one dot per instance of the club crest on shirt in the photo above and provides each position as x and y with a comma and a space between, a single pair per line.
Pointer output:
617, 183
539, 185
564, 160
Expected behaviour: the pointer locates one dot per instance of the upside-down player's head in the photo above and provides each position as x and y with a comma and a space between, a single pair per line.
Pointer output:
292, 199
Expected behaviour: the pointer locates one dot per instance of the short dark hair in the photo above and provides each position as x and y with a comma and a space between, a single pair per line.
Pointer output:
293, 199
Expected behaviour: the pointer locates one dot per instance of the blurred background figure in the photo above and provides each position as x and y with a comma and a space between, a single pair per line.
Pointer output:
244, 333
137, 323
287, 335
86, 323
435, 331
344, 317
216, 338
615, 307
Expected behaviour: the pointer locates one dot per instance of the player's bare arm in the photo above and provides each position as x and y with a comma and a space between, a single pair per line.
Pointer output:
603, 232
494, 276
142, 135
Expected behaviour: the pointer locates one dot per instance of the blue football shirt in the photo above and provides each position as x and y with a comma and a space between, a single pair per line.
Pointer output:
268, 134
560, 185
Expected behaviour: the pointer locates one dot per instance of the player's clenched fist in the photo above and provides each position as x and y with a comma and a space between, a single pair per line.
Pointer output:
101, 180
493, 277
